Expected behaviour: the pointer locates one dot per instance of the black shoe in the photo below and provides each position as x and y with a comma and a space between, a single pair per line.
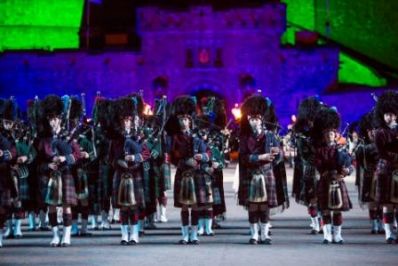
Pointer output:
252, 241
341, 242
182, 242
381, 232
86, 234
373, 232
267, 241
390, 240
320, 232
194, 242
132, 243
44, 228
314, 232
124, 243
141, 233
325, 241
151, 227
65, 245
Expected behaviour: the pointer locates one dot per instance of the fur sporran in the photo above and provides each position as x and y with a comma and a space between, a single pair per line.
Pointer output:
82, 185
335, 195
126, 195
394, 186
257, 190
187, 190
54, 189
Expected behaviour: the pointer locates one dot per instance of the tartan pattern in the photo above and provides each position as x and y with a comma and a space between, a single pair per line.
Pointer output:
23, 189
365, 186
323, 193
270, 184
69, 196
383, 184
203, 188
5, 198
138, 186
104, 186
305, 180
219, 206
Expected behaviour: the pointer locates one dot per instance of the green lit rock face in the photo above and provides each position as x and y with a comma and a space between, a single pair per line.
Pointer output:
369, 27
40, 24
351, 71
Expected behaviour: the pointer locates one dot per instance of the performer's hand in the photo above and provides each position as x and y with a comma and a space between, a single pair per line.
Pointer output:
268, 157
215, 165
275, 150
210, 170
22, 159
61, 159
53, 166
84, 155
346, 171
191, 162
129, 158
1, 153
198, 157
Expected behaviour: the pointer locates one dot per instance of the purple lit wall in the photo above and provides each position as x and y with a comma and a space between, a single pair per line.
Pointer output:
198, 49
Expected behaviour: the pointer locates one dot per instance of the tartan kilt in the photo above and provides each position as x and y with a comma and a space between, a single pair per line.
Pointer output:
365, 184
219, 206
92, 189
23, 189
104, 186
151, 188
69, 196
297, 177
21, 178
138, 186
203, 188
5, 198
384, 182
270, 185
177, 186
307, 185
323, 194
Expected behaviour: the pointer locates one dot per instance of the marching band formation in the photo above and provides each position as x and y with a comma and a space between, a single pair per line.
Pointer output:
57, 163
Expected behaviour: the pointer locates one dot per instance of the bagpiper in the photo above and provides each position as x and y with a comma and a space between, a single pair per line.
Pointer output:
366, 157
211, 129
386, 139
80, 133
8, 154
305, 175
259, 151
56, 157
21, 171
102, 136
127, 156
191, 156
333, 163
